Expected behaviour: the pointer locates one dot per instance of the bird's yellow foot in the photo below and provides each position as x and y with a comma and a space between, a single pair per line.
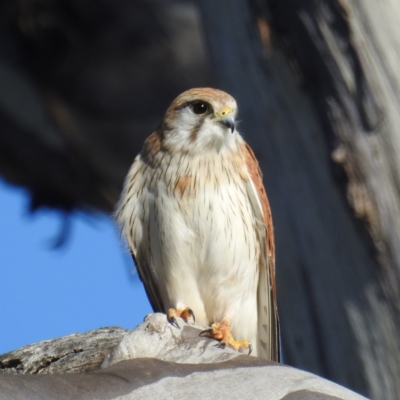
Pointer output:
221, 331
185, 314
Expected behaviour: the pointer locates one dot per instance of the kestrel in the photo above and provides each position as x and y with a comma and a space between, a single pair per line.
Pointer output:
197, 220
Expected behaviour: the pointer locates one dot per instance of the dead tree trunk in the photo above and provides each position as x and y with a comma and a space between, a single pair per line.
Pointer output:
156, 360
318, 82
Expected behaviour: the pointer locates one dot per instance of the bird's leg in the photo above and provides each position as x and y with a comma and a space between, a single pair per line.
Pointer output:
185, 314
222, 331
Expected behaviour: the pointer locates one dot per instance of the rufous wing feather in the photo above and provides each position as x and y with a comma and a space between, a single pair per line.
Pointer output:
268, 322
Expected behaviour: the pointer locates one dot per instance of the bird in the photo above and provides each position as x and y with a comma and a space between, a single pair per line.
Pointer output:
196, 218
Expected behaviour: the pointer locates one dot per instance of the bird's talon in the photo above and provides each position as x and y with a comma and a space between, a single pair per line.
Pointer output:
221, 331
205, 333
221, 345
171, 317
185, 314
191, 313
174, 322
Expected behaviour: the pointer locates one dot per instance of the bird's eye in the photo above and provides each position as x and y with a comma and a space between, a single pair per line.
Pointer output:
200, 108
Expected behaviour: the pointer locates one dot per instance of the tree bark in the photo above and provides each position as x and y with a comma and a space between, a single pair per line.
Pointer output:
319, 97
74, 353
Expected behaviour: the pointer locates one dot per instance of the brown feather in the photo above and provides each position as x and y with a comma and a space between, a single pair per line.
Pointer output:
256, 177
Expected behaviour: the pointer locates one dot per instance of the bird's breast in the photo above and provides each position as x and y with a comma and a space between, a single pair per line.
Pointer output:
208, 225
190, 221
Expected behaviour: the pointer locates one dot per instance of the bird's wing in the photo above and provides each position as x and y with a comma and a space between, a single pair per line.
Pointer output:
130, 216
268, 322
153, 294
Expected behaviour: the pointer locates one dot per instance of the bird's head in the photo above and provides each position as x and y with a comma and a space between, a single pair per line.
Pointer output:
200, 120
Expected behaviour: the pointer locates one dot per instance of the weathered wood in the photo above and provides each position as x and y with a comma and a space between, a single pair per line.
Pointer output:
159, 361
68, 354
318, 95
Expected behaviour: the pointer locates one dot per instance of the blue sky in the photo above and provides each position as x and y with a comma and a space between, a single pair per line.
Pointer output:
46, 293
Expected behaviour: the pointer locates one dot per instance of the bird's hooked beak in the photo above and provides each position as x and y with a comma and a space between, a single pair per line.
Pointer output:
226, 117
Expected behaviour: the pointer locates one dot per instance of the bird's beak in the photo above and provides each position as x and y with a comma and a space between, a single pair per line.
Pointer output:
226, 117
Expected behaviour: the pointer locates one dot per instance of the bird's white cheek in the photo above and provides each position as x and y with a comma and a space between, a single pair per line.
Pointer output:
195, 135
213, 137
